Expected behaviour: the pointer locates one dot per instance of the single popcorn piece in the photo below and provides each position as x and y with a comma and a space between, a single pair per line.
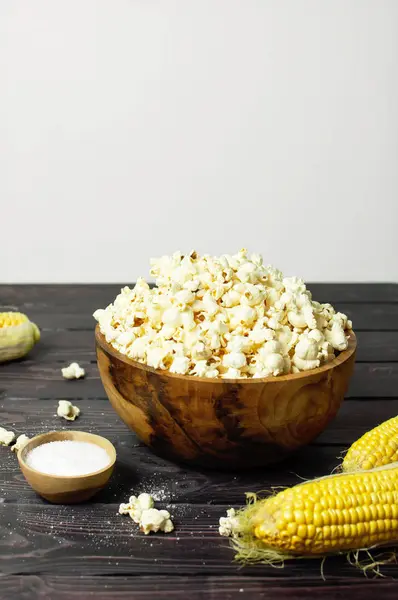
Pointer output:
336, 336
275, 364
20, 442
232, 374
155, 520
222, 317
141, 510
67, 411
6, 437
180, 365
229, 525
136, 505
235, 360
74, 371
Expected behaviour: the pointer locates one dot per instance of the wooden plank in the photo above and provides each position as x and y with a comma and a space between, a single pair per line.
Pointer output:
365, 317
44, 380
92, 539
235, 587
354, 292
371, 317
138, 469
51, 295
34, 416
65, 346
377, 346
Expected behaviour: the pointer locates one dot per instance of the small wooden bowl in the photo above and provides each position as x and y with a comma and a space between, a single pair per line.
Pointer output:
223, 423
61, 489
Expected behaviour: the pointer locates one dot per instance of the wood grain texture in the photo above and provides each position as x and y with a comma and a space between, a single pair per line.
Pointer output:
238, 587
220, 423
65, 294
34, 416
370, 380
137, 469
93, 539
78, 552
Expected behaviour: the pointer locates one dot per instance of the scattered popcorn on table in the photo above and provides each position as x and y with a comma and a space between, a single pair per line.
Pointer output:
141, 510
229, 524
20, 441
6, 437
223, 317
136, 505
156, 520
74, 371
67, 411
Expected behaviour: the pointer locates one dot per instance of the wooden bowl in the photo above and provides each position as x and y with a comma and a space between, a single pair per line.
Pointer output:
223, 423
61, 489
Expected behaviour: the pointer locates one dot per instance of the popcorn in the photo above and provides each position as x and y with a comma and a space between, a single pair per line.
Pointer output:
241, 315
307, 348
6, 437
275, 364
172, 317
229, 317
232, 374
229, 525
74, 371
156, 358
239, 343
180, 365
138, 348
136, 506
261, 335
67, 411
156, 520
236, 360
336, 336
302, 364
231, 298
19, 442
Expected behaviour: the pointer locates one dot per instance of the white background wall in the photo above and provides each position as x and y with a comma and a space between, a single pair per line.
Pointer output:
131, 128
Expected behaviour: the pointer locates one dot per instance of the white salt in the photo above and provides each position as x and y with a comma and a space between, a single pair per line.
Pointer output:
68, 458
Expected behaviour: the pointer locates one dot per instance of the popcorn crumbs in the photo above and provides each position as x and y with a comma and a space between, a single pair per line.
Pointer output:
223, 317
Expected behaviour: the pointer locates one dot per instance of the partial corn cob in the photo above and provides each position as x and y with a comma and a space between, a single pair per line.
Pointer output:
334, 514
18, 335
376, 448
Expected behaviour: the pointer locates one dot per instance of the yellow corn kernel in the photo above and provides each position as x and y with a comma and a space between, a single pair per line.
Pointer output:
18, 335
375, 448
340, 525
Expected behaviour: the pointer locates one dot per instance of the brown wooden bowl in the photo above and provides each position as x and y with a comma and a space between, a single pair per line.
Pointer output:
223, 423
61, 489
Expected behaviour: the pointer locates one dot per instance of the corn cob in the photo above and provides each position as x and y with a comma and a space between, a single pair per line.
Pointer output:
333, 514
18, 335
376, 448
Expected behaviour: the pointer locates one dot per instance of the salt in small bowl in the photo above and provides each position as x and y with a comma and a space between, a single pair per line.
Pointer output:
61, 489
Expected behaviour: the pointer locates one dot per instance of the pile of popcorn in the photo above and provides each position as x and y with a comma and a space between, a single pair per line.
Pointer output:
227, 316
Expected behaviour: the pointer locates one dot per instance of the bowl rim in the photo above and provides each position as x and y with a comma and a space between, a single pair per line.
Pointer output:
338, 360
23, 451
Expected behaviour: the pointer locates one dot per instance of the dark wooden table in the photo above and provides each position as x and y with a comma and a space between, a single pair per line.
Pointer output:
78, 552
